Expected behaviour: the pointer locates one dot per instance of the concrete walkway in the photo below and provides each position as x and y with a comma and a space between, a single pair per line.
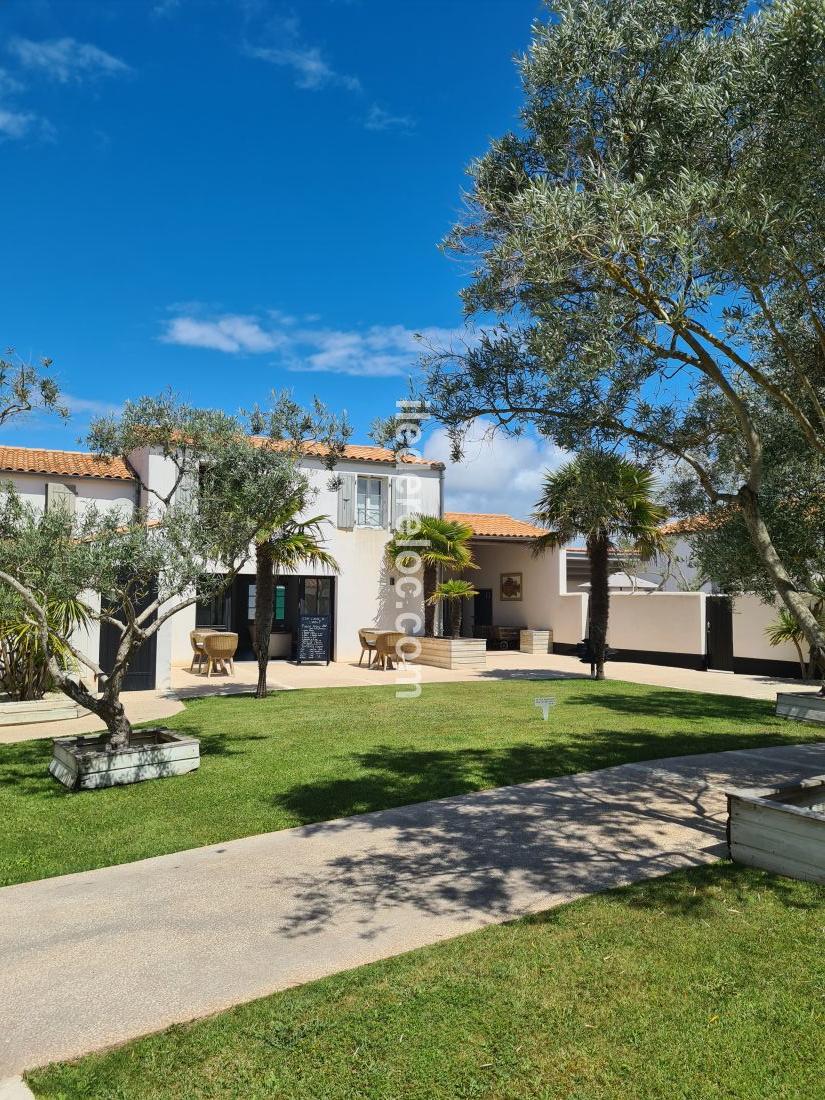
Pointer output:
141, 706
501, 665
100, 957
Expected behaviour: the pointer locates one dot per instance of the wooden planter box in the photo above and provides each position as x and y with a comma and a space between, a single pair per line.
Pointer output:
53, 708
459, 653
536, 641
780, 830
804, 706
84, 763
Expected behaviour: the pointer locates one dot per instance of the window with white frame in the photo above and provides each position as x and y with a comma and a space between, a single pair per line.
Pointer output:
369, 510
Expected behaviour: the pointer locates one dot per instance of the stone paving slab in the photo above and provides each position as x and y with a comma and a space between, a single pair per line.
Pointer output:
99, 957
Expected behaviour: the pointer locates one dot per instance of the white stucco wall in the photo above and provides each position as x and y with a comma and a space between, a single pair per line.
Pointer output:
105, 494
659, 622
750, 617
364, 595
538, 583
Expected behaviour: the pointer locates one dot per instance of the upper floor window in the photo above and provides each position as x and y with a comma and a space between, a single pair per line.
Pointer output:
369, 509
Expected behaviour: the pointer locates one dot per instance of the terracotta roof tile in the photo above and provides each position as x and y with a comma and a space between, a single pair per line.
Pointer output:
34, 460
690, 525
496, 525
355, 452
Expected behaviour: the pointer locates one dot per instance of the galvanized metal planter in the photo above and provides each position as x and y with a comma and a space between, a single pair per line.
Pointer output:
804, 706
85, 763
780, 829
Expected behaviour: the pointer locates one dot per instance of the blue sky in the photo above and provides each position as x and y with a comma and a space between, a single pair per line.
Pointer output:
230, 196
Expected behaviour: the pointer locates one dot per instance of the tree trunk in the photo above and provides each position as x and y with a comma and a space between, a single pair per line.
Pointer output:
597, 552
264, 610
456, 613
107, 706
795, 602
430, 583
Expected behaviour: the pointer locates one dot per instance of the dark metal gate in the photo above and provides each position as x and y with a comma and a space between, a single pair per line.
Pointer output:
719, 615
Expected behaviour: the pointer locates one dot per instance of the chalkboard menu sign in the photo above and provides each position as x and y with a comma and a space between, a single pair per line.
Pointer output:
313, 638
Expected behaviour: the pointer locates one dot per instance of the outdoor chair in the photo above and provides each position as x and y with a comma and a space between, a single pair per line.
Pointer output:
196, 639
220, 652
385, 644
367, 639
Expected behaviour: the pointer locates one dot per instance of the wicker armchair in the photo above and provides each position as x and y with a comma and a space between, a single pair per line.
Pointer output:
366, 637
198, 654
385, 644
220, 651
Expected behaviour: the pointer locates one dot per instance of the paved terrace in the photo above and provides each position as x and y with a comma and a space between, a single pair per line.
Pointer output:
146, 706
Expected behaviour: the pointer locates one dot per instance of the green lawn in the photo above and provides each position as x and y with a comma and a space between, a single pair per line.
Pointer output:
705, 984
307, 756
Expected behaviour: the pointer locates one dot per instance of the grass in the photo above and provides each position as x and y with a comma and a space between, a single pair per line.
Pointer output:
307, 756
706, 983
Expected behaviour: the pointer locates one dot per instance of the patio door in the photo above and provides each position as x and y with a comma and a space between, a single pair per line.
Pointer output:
483, 607
143, 666
719, 615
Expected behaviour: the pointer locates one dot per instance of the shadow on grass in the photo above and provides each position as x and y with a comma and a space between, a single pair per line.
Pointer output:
674, 705
391, 776
703, 891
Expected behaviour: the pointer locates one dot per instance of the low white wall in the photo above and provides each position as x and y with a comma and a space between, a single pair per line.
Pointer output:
569, 618
750, 617
659, 622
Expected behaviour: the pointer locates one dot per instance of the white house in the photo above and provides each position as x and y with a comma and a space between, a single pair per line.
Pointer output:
517, 590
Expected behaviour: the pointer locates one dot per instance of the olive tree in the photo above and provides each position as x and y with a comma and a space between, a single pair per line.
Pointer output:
646, 251
27, 386
186, 541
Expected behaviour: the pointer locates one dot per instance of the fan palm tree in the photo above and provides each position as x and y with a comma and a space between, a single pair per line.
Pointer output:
785, 628
453, 592
602, 498
440, 544
286, 547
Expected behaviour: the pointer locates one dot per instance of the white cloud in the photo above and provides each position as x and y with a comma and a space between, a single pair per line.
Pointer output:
381, 351
284, 46
380, 119
499, 473
8, 83
309, 68
16, 124
66, 59
231, 333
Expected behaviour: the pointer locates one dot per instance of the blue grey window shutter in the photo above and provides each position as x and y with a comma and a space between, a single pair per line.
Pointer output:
346, 500
385, 502
59, 495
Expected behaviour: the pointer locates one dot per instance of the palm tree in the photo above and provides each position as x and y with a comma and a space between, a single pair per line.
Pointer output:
603, 498
440, 544
784, 629
453, 592
286, 547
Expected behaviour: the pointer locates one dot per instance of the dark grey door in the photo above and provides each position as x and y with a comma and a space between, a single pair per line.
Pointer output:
483, 607
719, 611
141, 674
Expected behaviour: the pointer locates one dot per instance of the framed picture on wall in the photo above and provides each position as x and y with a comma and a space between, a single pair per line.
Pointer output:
510, 588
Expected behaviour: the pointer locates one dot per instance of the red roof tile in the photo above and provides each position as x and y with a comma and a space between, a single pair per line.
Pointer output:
496, 525
354, 452
35, 460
